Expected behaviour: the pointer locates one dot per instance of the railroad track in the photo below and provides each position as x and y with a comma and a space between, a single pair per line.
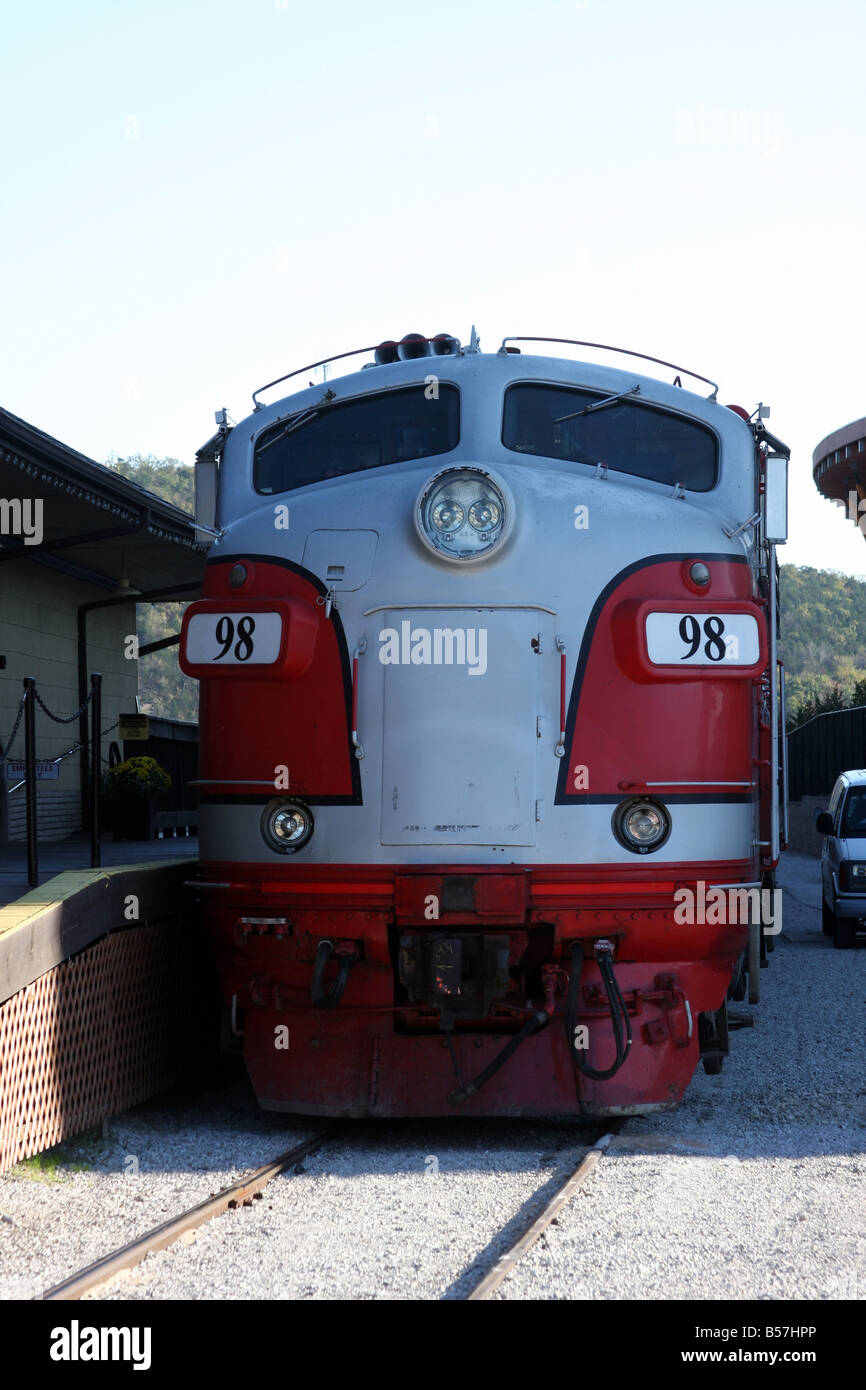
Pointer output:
491, 1281
249, 1188
238, 1194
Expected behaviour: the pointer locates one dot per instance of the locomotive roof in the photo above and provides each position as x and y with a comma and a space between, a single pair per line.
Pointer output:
495, 370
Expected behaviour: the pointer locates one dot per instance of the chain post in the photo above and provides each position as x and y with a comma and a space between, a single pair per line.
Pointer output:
30, 780
95, 770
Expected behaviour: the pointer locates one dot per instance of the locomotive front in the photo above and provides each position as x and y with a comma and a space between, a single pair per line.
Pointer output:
488, 715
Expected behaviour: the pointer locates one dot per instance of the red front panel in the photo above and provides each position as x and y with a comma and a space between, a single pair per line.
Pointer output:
379, 1053
253, 724
632, 726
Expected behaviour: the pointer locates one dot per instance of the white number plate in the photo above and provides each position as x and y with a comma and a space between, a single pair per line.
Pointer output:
702, 639
234, 639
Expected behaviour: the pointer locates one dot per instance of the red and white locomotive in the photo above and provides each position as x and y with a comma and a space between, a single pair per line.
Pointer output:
487, 653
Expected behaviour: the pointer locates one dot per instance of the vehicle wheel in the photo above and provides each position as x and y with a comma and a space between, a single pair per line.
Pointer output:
714, 1039
754, 963
768, 885
737, 987
828, 919
845, 933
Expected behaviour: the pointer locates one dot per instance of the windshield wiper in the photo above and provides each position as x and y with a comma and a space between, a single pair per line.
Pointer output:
598, 405
294, 422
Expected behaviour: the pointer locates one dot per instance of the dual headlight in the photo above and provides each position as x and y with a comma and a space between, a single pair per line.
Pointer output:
286, 826
463, 514
854, 877
641, 825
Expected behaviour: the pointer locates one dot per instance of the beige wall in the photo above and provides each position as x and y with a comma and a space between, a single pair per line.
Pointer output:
38, 637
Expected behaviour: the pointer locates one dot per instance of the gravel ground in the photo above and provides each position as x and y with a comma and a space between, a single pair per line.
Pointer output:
414, 1210
93, 1194
754, 1188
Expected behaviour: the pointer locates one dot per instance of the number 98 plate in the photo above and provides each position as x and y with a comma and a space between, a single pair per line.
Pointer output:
233, 639
702, 639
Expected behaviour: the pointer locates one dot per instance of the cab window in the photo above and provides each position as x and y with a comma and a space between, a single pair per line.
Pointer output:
329, 441
626, 436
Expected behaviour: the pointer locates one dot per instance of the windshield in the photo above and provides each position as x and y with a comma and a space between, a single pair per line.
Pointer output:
854, 815
624, 435
369, 432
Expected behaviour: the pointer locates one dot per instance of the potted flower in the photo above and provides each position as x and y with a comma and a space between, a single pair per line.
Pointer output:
131, 790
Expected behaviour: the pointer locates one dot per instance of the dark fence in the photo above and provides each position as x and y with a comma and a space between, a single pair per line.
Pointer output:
822, 748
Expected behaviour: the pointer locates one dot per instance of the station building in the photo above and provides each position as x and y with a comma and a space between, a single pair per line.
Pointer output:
80, 546
839, 467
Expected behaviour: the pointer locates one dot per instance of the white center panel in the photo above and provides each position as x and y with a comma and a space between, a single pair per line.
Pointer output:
459, 726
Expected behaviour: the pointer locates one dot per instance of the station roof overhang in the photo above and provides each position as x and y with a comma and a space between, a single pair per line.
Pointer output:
839, 462
93, 524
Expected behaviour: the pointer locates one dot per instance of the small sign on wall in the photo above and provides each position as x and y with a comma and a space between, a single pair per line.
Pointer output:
134, 728
45, 771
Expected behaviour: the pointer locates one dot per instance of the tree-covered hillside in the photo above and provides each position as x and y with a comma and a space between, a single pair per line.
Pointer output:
823, 639
165, 692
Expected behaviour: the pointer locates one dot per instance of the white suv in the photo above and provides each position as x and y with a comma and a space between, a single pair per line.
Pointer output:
843, 859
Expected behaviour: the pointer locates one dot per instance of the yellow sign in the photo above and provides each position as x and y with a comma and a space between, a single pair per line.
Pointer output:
134, 727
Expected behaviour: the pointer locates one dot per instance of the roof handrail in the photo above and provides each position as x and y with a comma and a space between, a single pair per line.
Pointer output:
356, 352
606, 347
574, 342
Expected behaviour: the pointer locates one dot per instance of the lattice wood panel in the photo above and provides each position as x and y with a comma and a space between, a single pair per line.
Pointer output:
91, 1037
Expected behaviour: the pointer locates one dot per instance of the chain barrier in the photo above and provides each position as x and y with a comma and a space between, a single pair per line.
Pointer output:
4, 752
60, 718
32, 772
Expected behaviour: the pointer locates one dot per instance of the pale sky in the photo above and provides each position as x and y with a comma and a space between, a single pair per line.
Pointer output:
198, 195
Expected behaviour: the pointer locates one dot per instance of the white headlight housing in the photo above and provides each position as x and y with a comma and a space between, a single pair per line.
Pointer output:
286, 825
464, 514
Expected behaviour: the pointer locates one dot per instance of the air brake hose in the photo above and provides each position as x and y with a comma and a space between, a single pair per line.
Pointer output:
618, 1010
463, 1092
321, 999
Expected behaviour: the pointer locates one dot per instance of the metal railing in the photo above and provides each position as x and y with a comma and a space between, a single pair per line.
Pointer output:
55, 762
27, 708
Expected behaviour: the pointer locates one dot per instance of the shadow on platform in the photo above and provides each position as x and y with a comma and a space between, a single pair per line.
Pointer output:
58, 856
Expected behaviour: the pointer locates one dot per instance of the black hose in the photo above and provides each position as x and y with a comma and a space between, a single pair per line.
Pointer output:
321, 999
618, 1011
538, 1020
454, 1062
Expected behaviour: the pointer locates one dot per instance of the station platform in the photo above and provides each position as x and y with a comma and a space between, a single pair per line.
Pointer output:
60, 856
107, 991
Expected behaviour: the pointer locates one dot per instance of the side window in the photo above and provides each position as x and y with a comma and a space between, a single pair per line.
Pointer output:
854, 815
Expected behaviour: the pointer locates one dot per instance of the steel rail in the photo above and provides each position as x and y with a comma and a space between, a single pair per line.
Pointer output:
504, 1265
104, 1270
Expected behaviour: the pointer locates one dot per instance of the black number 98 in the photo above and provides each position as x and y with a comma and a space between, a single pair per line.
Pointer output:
690, 632
225, 633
